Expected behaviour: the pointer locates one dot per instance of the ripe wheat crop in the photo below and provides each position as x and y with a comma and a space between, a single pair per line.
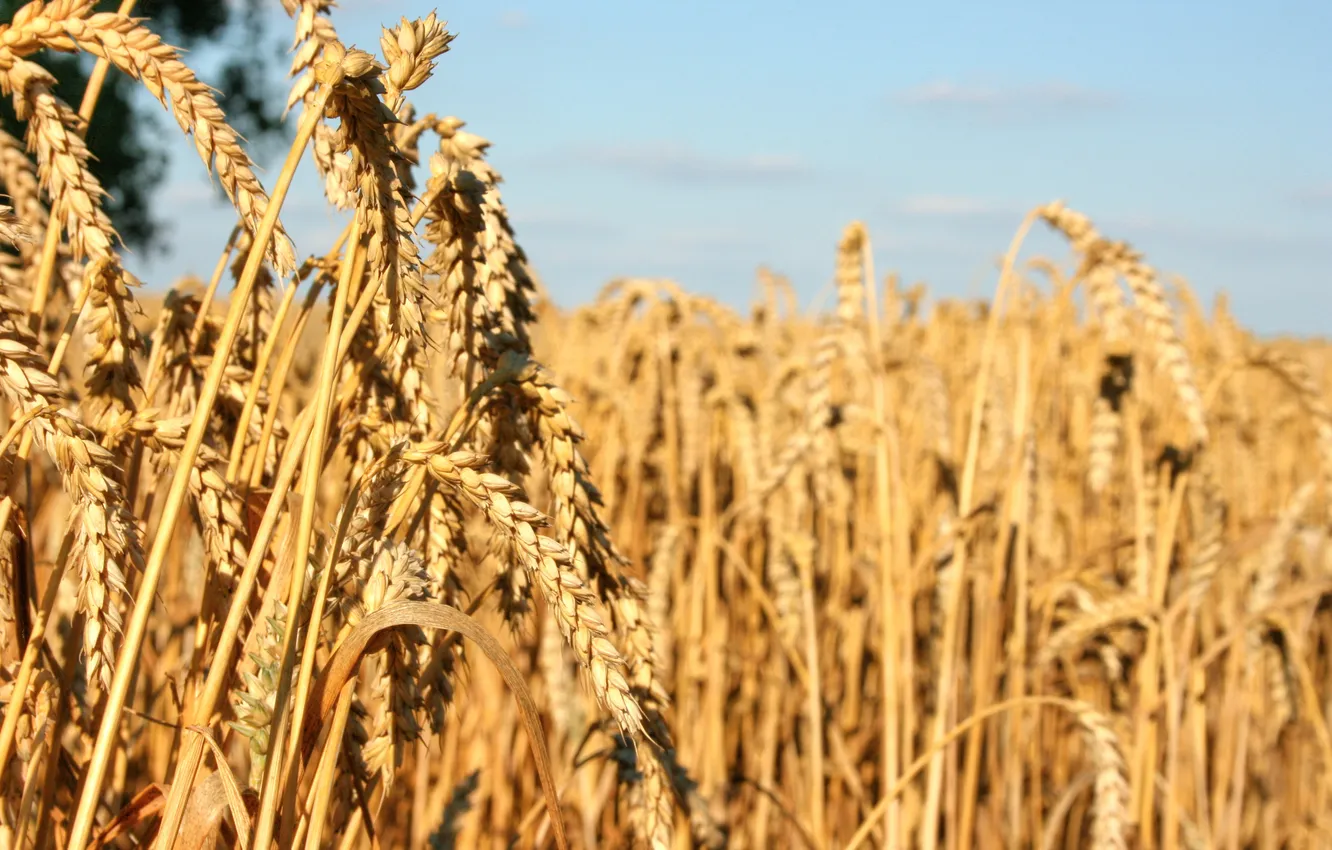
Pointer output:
376, 547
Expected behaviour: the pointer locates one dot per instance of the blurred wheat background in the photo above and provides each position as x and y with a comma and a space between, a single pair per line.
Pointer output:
372, 544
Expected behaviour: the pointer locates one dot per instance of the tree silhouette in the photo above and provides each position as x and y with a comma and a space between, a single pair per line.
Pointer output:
130, 135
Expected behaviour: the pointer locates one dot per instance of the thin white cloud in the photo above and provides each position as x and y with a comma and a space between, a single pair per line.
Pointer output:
954, 206
1053, 97
669, 161
514, 19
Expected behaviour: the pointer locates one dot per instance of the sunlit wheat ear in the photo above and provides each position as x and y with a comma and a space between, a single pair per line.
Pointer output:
410, 50
1150, 300
550, 566
218, 507
578, 524
1271, 561
652, 816
314, 31
34, 730
107, 549
353, 562
383, 205
504, 277
397, 574
111, 373
1297, 375
1263, 642
1111, 794
1159, 317
1119, 611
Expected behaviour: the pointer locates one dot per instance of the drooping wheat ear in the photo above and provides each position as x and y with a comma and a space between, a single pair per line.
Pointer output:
32, 728
818, 416
1117, 611
1171, 355
455, 226
112, 375
1281, 705
352, 566
1107, 297
383, 205
577, 520
550, 566
392, 399
106, 546
70, 25
218, 508
577, 501
76, 197
1148, 296
352, 769
1262, 639
1111, 794
1117, 371
1271, 561
1295, 373
502, 271
313, 31
446, 546
579, 526
652, 816
396, 575
1110, 655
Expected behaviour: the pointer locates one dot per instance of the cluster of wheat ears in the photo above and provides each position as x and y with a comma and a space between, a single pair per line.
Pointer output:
317, 553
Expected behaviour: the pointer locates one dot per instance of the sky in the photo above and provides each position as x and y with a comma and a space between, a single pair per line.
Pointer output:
699, 140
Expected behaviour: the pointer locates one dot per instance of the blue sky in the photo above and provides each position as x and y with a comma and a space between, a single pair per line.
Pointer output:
698, 140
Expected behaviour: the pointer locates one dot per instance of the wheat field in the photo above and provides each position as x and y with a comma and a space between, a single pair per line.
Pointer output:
371, 545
